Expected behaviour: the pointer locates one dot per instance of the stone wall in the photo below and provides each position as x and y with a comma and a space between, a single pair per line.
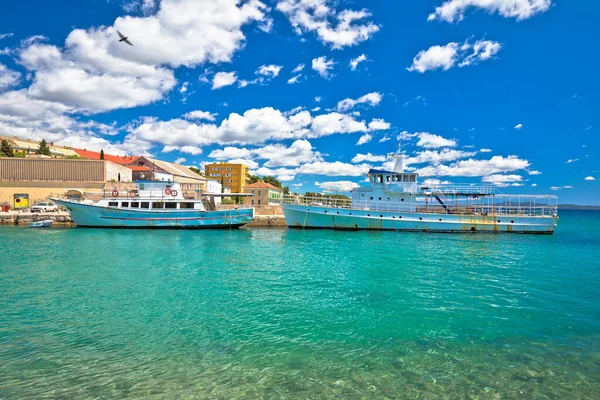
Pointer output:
258, 210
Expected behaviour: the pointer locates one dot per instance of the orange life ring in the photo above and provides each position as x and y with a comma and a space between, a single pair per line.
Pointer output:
168, 191
132, 195
174, 193
115, 193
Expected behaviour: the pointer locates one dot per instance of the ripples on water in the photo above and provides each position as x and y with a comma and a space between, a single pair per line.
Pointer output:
300, 314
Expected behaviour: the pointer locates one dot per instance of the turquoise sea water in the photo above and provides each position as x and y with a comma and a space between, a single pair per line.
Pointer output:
88, 313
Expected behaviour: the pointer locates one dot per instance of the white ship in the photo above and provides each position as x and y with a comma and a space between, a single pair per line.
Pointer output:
396, 201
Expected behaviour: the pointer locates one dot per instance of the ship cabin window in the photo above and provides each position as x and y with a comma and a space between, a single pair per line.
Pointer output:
186, 205
124, 204
135, 204
113, 203
158, 204
387, 178
380, 178
405, 178
413, 178
171, 205
145, 204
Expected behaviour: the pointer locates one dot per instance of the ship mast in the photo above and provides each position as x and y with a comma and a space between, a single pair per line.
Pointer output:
399, 167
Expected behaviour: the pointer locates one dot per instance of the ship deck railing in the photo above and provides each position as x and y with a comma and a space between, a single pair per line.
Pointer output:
498, 205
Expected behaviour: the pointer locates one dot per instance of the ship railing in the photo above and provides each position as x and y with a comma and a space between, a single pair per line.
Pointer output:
460, 189
498, 205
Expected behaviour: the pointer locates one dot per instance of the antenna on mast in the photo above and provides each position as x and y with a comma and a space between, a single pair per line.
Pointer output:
399, 167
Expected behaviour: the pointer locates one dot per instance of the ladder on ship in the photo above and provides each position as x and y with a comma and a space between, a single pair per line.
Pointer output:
438, 196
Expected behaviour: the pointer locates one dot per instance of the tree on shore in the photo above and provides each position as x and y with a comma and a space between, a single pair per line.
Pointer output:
5, 149
102, 154
43, 148
197, 170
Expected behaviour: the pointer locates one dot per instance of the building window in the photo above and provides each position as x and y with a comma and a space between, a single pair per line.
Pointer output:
259, 202
252, 201
259, 192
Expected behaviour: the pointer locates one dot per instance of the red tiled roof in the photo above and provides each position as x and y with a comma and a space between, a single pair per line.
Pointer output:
262, 185
94, 155
138, 168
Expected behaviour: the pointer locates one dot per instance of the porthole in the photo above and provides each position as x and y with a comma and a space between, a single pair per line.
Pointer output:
400, 217
401, 199
393, 216
472, 229
371, 198
381, 216
440, 220
349, 213
512, 222
325, 211
498, 221
338, 212
368, 215
380, 199
420, 218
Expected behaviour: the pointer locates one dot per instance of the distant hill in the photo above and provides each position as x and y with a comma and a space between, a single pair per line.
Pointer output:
577, 207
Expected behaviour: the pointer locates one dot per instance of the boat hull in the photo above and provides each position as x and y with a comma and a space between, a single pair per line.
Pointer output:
92, 216
320, 217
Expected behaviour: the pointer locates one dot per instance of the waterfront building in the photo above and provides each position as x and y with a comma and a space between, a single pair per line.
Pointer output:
35, 179
95, 155
234, 175
213, 186
263, 194
191, 183
28, 148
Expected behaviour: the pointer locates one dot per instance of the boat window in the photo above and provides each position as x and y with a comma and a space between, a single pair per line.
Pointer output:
171, 205
124, 204
135, 204
157, 204
387, 178
405, 178
145, 204
113, 203
141, 186
380, 178
186, 205
413, 178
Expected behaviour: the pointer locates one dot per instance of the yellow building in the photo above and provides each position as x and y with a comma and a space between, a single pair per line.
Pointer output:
234, 175
263, 194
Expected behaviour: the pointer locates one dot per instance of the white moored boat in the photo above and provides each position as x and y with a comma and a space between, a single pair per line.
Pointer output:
154, 204
396, 201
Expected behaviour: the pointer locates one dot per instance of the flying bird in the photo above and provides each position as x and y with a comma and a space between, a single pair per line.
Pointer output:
124, 39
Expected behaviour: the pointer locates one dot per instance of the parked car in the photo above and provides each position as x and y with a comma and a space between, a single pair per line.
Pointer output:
46, 206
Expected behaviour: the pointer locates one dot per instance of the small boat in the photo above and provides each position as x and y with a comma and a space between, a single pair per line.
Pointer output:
152, 205
40, 224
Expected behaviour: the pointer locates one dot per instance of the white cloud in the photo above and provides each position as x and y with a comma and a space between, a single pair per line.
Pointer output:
323, 65
94, 72
366, 138
590, 178
193, 150
293, 80
318, 99
384, 139
250, 163
534, 184
534, 172
336, 168
437, 157
338, 186
486, 150
269, 70
8, 77
518, 126
355, 61
298, 68
447, 56
379, 125
560, 187
431, 141
502, 180
572, 160
5, 35
454, 10
222, 79
368, 158
470, 167
179, 160
277, 155
372, 99
338, 29
199, 115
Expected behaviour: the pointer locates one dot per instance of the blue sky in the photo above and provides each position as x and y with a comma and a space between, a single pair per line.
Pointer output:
500, 92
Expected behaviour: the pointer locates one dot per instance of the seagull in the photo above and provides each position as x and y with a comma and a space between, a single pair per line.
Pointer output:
124, 39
